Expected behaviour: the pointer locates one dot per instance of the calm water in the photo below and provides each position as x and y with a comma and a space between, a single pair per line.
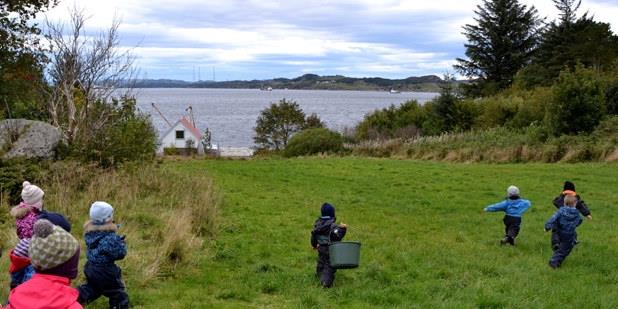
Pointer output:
230, 114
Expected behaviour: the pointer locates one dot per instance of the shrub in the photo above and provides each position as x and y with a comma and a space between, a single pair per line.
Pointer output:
578, 104
392, 121
312, 141
128, 136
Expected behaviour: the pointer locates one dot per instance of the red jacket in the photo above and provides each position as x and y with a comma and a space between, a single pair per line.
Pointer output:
44, 291
17, 262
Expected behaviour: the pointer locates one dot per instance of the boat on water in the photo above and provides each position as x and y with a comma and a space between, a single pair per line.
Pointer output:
267, 88
394, 91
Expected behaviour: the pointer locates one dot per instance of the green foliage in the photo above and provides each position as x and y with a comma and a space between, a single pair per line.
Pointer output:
395, 121
313, 121
21, 60
313, 141
127, 136
578, 104
499, 45
567, 43
14, 172
277, 123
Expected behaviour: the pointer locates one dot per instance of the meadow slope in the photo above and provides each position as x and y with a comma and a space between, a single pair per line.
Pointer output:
425, 240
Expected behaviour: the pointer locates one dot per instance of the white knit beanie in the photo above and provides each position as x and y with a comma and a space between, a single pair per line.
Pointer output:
32, 195
512, 191
101, 212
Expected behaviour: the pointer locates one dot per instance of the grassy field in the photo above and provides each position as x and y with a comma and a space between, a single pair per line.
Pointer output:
426, 241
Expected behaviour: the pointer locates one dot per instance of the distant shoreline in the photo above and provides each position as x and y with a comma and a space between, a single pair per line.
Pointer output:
429, 83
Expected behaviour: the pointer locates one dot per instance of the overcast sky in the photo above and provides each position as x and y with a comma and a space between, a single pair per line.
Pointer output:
263, 39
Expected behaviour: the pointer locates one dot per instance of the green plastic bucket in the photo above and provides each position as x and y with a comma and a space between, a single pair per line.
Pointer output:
344, 254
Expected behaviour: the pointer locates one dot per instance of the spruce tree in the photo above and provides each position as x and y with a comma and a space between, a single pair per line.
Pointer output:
499, 44
569, 41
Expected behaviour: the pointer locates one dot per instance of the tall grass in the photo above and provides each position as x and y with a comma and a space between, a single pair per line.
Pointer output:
165, 215
501, 144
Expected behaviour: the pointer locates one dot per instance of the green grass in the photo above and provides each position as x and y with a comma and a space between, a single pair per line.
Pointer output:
425, 240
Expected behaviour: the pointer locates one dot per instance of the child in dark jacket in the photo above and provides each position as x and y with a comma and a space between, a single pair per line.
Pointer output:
325, 231
568, 189
514, 207
564, 222
103, 276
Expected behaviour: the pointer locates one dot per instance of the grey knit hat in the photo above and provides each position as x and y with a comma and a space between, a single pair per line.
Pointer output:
50, 245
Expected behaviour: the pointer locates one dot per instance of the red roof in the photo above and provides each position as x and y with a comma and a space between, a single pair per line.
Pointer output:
190, 126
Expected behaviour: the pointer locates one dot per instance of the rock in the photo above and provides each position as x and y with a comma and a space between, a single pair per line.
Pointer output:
35, 139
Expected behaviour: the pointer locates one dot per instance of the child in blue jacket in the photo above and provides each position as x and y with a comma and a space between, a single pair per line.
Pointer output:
103, 276
564, 222
514, 207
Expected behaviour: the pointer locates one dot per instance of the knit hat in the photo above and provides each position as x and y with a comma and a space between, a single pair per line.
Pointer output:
512, 191
101, 212
328, 210
50, 246
569, 186
32, 195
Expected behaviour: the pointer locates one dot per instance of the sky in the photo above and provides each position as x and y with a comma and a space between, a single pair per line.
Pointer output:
264, 39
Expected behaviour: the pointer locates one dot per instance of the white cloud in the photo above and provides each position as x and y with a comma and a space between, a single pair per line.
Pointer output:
376, 36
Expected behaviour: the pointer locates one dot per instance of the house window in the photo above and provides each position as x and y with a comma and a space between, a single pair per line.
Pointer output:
180, 134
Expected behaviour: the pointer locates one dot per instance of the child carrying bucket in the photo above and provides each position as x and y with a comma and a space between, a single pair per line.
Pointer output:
325, 231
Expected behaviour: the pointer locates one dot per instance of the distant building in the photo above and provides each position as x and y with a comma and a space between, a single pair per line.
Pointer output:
180, 137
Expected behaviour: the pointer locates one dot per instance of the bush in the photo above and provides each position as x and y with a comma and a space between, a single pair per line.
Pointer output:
128, 136
394, 121
313, 141
578, 104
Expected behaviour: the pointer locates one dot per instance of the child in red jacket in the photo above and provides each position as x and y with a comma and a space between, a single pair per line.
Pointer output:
54, 254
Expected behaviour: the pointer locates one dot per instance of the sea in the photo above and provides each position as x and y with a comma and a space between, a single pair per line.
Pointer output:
230, 114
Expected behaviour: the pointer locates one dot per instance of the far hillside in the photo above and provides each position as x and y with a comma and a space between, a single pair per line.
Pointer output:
428, 83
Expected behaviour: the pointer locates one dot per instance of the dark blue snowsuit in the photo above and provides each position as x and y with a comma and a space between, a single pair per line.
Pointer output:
559, 202
103, 276
564, 222
325, 231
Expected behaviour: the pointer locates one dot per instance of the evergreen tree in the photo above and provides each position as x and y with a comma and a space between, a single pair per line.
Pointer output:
570, 41
499, 45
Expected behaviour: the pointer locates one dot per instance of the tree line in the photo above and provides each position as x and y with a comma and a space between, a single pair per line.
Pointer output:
523, 71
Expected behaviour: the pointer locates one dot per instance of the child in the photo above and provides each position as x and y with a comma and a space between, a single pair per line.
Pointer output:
103, 276
568, 189
564, 222
26, 214
325, 231
514, 207
55, 256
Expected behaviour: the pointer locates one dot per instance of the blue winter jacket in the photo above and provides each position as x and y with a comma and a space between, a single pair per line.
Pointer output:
513, 208
104, 245
565, 220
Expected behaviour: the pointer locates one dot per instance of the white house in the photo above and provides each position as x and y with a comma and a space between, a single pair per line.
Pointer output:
178, 135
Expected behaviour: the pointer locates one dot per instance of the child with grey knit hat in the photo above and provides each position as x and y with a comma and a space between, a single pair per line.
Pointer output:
54, 253
105, 246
